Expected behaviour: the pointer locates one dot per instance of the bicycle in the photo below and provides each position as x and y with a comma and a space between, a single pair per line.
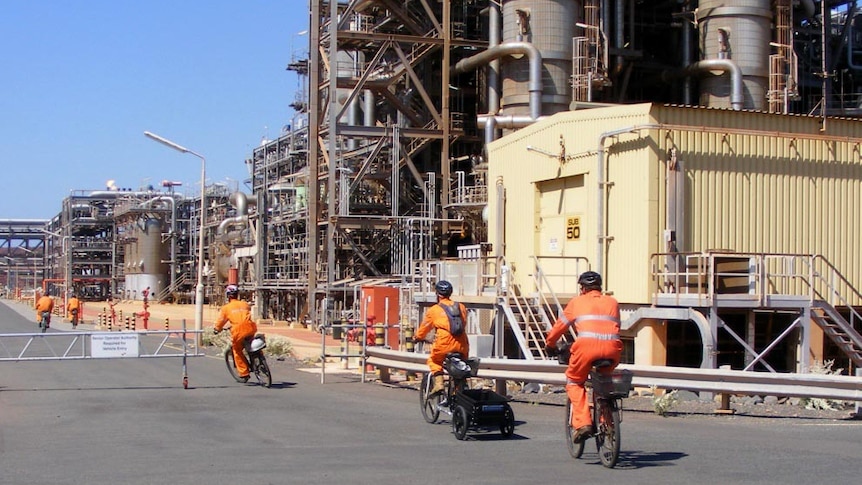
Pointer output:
45, 321
74, 313
606, 393
253, 348
468, 407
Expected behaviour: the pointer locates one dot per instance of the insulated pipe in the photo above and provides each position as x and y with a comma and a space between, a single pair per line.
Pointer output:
493, 72
726, 65
600, 198
510, 122
241, 202
687, 88
619, 36
511, 49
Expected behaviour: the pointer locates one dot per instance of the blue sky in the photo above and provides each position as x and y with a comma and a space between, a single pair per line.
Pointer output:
80, 81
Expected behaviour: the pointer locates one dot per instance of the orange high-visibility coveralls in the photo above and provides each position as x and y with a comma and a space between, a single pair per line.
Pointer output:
238, 313
444, 342
73, 304
44, 304
597, 322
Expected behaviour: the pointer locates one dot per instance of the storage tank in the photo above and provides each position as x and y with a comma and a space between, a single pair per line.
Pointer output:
549, 25
144, 260
738, 30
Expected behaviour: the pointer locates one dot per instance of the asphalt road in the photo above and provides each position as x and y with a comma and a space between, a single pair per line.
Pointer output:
129, 421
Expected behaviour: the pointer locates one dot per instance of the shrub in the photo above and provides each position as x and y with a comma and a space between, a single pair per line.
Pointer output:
662, 404
824, 368
276, 345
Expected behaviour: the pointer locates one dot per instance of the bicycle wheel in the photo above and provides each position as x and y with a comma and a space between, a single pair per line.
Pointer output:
261, 372
231, 365
575, 449
460, 423
608, 433
43, 324
430, 410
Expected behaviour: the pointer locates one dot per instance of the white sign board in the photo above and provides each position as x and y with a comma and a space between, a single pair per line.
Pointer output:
112, 345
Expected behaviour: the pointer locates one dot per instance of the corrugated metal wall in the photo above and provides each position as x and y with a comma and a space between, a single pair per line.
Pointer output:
529, 161
754, 182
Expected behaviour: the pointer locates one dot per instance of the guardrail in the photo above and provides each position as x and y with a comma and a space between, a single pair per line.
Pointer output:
844, 388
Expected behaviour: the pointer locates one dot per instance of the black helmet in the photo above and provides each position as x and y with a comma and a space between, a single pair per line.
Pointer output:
590, 279
444, 288
231, 291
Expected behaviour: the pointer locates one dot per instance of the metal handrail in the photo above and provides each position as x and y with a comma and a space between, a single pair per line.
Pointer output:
767, 274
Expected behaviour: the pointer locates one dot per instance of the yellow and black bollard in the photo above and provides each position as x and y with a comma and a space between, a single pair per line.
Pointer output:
409, 346
380, 335
167, 323
128, 324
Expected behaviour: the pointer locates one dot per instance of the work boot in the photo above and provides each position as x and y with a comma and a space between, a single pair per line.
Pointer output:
438, 386
582, 434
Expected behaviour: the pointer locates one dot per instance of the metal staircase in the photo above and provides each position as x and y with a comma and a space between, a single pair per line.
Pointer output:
531, 316
839, 330
181, 280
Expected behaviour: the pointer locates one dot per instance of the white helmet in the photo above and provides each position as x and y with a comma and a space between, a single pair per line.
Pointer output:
258, 343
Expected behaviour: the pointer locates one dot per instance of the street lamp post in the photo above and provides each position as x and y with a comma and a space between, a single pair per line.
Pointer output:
199, 289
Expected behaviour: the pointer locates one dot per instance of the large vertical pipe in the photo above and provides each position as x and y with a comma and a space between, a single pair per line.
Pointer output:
332, 172
493, 73
313, 154
687, 31
444, 152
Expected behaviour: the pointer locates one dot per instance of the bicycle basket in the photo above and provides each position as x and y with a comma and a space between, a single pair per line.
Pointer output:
617, 385
459, 368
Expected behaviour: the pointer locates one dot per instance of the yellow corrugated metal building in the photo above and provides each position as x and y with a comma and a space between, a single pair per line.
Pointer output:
618, 185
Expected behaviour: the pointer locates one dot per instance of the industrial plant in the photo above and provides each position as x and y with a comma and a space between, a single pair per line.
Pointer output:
704, 156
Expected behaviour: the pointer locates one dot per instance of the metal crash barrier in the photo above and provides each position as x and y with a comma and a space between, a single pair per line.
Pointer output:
17, 347
845, 388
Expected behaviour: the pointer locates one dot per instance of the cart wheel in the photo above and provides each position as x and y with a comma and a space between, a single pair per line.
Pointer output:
507, 427
460, 422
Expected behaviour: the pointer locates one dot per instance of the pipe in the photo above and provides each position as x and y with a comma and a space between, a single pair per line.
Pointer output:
726, 65
493, 72
510, 122
687, 88
619, 37
512, 49
706, 65
241, 202
600, 202
808, 6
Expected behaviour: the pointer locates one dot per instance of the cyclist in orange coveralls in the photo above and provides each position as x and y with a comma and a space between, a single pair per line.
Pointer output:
596, 318
444, 342
238, 313
73, 309
44, 304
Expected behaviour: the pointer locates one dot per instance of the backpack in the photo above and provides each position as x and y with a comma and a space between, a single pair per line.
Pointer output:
456, 323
